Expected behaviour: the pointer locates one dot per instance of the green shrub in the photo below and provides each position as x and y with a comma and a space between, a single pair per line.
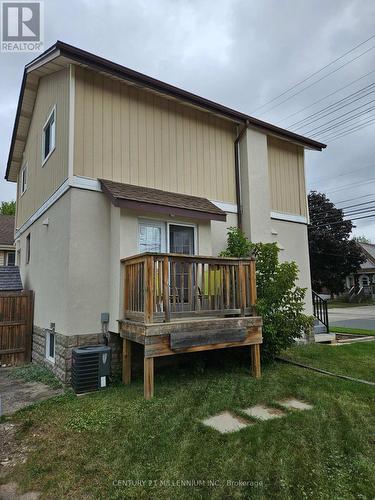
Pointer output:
280, 301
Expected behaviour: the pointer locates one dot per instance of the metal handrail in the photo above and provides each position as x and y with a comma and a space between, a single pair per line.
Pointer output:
320, 306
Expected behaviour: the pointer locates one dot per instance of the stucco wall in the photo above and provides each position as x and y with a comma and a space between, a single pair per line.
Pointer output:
48, 270
255, 192
292, 237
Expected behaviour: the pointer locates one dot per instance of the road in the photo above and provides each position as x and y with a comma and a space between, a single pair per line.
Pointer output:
353, 317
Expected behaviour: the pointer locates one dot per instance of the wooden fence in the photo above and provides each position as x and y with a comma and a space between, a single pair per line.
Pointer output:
16, 326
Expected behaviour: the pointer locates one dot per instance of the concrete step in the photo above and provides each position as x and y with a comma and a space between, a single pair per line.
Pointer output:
319, 329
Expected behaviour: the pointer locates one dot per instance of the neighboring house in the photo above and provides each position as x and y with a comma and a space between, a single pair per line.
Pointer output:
10, 279
111, 163
362, 283
7, 247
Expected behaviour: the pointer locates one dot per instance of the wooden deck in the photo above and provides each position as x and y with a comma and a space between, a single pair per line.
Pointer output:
181, 303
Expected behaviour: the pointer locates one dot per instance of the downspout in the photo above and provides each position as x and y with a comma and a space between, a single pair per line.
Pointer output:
238, 173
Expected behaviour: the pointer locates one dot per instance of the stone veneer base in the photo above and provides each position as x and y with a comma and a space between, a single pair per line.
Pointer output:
62, 367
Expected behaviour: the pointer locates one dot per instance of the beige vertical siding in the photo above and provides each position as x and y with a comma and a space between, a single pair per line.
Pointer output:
2, 258
287, 178
53, 90
133, 136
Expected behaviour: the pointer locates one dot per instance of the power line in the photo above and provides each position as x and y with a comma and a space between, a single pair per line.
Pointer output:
355, 129
356, 198
341, 116
340, 222
358, 183
316, 72
359, 122
358, 204
333, 105
324, 98
345, 172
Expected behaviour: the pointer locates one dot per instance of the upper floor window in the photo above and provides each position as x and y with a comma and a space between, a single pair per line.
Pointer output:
49, 136
23, 180
28, 248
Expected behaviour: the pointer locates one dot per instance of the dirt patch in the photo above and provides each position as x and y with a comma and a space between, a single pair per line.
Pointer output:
10, 492
16, 394
12, 452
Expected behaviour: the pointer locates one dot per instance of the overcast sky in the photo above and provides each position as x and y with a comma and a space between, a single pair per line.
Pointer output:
240, 53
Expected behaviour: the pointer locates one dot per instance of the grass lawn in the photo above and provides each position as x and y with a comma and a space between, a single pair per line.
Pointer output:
354, 331
339, 303
354, 360
83, 447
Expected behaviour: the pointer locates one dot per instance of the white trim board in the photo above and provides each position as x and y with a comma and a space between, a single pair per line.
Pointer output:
226, 207
43, 208
301, 219
72, 86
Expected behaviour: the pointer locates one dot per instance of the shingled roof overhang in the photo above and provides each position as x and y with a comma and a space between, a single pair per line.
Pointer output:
145, 199
61, 54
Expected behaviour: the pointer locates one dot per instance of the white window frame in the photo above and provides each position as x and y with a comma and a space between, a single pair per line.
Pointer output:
23, 180
28, 248
53, 135
156, 223
48, 345
164, 225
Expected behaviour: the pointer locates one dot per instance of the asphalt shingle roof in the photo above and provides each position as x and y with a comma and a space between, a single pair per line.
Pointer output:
7, 229
153, 197
10, 279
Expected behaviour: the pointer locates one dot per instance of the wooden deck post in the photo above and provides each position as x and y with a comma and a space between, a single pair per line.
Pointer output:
148, 381
126, 361
255, 360
149, 286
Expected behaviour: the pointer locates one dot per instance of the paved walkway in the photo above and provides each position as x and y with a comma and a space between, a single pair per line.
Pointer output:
16, 394
362, 317
227, 421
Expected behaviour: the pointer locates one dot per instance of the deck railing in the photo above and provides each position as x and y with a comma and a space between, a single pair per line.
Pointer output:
161, 287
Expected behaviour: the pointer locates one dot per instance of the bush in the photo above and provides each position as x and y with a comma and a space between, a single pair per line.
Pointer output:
280, 302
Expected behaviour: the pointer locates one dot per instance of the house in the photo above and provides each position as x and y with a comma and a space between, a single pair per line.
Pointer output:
111, 164
362, 283
7, 247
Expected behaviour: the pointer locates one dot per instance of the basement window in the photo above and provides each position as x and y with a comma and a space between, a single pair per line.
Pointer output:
49, 136
50, 346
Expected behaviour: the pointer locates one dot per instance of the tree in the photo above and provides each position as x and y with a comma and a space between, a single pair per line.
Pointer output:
361, 239
280, 302
8, 208
333, 255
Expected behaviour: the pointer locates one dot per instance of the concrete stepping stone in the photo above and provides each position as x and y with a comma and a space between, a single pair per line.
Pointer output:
226, 422
294, 404
262, 412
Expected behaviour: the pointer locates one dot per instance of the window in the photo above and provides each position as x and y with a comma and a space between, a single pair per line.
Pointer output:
151, 237
50, 346
28, 248
23, 180
11, 257
49, 136
19, 257
158, 236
